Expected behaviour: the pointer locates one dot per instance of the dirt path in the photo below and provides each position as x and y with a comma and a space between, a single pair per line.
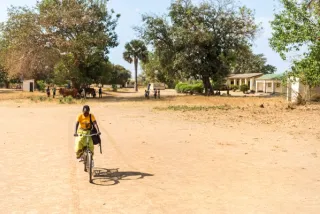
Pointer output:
154, 162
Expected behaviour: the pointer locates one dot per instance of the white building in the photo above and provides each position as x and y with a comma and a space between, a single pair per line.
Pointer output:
270, 83
28, 85
244, 79
157, 86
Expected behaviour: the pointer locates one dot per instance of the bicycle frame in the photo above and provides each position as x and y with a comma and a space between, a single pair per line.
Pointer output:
88, 157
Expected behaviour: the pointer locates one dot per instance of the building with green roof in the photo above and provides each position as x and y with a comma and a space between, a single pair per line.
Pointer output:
270, 83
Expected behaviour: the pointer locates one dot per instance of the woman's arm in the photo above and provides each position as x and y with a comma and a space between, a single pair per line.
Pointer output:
97, 127
75, 131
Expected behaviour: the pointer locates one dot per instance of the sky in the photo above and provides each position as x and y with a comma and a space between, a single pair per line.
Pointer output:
131, 12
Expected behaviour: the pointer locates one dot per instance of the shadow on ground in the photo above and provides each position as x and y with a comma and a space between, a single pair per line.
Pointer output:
110, 177
112, 98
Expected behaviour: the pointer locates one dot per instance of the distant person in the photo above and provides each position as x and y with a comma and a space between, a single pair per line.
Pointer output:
155, 93
100, 92
146, 94
54, 91
159, 93
83, 92
48, 91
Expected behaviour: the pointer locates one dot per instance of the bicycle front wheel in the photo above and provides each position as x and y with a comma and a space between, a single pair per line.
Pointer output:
89, 166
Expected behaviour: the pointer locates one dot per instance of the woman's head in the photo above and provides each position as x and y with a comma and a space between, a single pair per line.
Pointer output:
86, 110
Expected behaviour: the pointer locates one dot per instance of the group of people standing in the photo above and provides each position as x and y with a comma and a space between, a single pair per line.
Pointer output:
156, 93
54, 90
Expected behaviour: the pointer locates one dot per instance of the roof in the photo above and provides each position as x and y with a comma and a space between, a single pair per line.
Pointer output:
244, 76
271, 77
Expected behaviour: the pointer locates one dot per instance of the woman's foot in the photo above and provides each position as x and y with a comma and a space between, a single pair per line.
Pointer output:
80, 159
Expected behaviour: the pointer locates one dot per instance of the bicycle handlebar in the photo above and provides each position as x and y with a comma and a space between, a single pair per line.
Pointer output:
89, 135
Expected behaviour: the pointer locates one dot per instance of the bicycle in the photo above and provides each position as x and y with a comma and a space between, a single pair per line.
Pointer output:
87, 156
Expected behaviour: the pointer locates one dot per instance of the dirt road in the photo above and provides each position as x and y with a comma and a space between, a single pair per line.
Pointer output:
157, 162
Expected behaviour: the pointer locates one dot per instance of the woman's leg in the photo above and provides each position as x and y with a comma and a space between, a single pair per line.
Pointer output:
79, 145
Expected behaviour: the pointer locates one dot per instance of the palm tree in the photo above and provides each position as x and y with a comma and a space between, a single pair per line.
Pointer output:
135, 50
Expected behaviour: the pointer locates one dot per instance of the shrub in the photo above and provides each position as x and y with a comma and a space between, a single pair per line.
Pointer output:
234, 87
244, 88
179, 87
193, 88
66, 100
198, 88
114, 88
41, 85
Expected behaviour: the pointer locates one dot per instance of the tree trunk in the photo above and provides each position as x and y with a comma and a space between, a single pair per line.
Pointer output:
7, 84
207, 85
136, 72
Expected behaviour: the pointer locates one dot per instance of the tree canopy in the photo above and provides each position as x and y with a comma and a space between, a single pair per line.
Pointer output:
134, 51
199, 40
59, 37
245, 61
296, 27
119, 75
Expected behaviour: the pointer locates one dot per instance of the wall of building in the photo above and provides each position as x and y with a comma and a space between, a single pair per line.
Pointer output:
296, 88
26, 85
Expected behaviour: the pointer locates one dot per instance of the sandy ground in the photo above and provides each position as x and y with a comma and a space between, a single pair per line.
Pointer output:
236, 158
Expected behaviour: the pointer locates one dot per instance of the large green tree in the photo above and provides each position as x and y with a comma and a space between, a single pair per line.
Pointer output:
135, 51
296, 28
119, 75
245, 61
199, 40
76, 33
154, 72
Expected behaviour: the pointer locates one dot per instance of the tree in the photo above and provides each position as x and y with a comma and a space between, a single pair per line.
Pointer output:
294, 27
135, 50
120, 75
308, 69
245, 61
199, 40
4, 76
154, 72
76, 33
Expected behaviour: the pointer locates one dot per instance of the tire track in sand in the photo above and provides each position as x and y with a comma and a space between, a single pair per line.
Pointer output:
73, 173
116, 148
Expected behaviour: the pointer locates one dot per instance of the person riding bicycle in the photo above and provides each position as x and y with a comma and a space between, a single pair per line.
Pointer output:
85, 129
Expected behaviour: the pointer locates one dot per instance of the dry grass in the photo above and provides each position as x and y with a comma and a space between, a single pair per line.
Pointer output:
18, 95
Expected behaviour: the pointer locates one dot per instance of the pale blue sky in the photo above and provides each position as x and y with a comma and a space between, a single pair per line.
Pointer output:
131, 16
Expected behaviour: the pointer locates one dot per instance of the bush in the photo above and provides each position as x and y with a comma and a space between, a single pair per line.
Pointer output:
114, 88
193, 88
41, 85
244, 88
198, 88
180, 87
234, 88
66, 100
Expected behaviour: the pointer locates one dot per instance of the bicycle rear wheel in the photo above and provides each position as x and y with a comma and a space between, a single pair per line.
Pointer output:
89, 166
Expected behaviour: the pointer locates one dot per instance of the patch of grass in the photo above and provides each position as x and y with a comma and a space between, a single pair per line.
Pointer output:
67, 100
39, 98
82, 101
193, 108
